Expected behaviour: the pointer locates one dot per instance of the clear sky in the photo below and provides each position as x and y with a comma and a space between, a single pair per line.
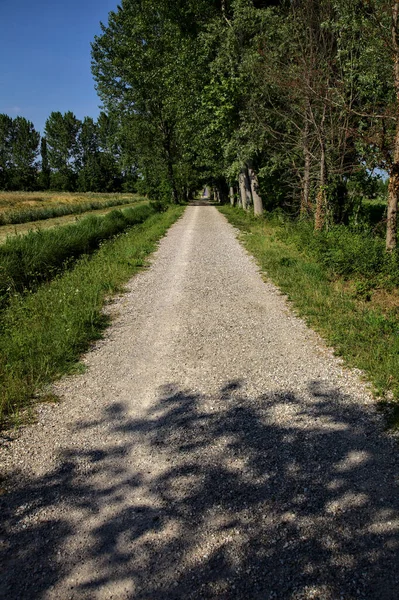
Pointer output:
45, 57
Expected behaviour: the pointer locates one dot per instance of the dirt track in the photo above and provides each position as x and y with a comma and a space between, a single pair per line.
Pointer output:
214, 448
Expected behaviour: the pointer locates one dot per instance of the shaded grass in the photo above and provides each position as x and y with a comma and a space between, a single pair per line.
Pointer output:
29, 260
44, 334
364, 334
25, 208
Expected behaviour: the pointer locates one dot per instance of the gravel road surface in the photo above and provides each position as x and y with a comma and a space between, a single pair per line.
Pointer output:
214, 448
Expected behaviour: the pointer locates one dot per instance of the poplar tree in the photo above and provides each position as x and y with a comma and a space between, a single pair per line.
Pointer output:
44, 175
6, 128
61, 131
25, 149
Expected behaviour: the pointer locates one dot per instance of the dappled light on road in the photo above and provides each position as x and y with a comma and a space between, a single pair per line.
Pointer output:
241, 507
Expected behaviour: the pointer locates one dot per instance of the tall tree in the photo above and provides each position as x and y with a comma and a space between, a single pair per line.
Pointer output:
145, 65
25, 149
44, 175
6, 128
374, 73
61, 132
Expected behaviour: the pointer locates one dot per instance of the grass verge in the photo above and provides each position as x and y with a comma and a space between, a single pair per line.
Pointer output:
27, 214
44, 334
363, 332
29, 260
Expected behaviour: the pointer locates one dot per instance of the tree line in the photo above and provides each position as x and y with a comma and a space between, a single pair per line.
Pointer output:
72, 155
287, 103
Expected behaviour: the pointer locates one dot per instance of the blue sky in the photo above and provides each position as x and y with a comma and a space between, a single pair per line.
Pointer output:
45, 56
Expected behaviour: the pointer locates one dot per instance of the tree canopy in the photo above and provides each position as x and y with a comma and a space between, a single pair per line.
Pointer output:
289, 104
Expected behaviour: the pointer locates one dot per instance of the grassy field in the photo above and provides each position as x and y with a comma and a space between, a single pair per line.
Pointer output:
27, 261
43, 334
7, 231
19, 200
23, 207
357, 315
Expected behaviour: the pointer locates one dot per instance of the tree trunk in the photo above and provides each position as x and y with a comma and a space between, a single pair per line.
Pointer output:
321, 199
245, 189
393, 193
248, 193
239, 200
231, 195
242, 194
305, 192
393, 188
171, 178
257, 199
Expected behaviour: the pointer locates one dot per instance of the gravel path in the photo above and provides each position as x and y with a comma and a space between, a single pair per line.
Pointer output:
214, 448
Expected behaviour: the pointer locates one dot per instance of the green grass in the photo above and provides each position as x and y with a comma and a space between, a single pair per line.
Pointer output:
44, 334
34, 213
364, 333
344, 251
27, 261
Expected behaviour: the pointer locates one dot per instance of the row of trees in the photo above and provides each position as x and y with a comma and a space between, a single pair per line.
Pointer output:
292, 101
78, 155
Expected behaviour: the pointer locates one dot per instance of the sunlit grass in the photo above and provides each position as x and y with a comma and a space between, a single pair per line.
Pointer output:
35, 199
24, 207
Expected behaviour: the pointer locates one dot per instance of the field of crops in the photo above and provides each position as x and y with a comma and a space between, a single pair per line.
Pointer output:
24, 207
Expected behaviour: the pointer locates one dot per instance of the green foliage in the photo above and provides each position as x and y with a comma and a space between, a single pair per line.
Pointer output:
150, 74
343, 251
45, 172
44, 334
6, 126
18, 152
62, 142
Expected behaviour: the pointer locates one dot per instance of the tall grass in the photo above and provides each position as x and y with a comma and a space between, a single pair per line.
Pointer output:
43, 334
306, 267
344, 251
33, 213
29, 260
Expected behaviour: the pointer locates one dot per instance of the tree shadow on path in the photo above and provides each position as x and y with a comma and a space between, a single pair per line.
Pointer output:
269, 497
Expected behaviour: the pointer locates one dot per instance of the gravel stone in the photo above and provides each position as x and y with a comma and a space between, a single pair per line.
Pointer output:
213, 448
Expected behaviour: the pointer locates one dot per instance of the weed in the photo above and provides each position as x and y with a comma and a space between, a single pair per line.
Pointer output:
363, 290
